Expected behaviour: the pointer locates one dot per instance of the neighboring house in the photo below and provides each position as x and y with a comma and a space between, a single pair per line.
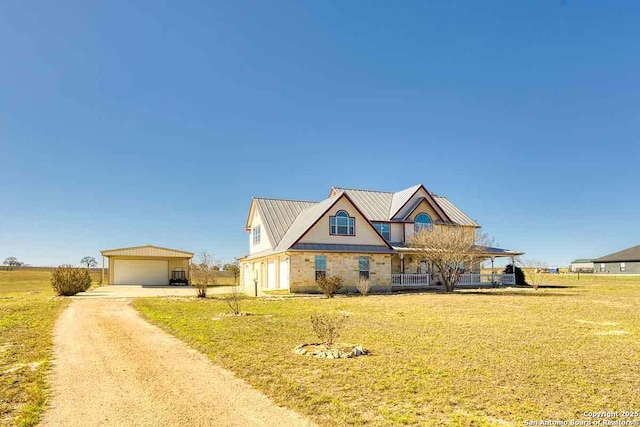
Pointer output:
582, 265
353, 233
624, 262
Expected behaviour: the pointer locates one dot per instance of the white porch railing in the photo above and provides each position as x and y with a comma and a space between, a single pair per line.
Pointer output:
410, 280
474, 279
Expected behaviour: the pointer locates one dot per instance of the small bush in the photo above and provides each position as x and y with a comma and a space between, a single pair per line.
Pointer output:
68, 280
364, 286
327, 328
233, 300
329, 285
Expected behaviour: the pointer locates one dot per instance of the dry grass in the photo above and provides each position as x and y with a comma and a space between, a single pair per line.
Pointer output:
471, 358
29, 310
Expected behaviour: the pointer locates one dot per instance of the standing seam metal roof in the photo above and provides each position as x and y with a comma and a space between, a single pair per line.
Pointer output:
278, 215
456, 215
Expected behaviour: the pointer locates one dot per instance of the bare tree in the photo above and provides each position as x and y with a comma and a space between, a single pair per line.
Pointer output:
535, 270
233, 300
450, 248
202, 273
12, 262
88, 262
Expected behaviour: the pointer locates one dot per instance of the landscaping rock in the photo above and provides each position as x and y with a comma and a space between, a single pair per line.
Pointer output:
338, 352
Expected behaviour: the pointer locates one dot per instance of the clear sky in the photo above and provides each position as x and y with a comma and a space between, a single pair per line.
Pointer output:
154, 122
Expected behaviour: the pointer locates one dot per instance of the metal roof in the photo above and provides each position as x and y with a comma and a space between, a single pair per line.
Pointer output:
278, 215
373, 204
327, 247
629, 254
148, 251
304, 221
285, 221
456, 215
400, 199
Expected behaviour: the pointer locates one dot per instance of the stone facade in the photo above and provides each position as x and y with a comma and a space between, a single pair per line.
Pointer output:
346, 265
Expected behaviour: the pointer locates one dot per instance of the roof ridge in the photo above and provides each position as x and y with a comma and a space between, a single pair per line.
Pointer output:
285, 200
360, 189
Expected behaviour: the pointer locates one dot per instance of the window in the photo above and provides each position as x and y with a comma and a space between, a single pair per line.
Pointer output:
422, 221
321, 266
384, 229
363, 263
623, 266
601, 267
342, 224
256, 234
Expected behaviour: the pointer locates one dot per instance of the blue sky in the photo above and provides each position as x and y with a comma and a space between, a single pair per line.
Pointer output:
126, 124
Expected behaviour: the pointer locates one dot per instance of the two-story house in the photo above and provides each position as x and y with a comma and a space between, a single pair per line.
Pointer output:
354, 234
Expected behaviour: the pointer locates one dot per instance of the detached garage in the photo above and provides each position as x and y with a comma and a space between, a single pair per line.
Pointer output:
145, 265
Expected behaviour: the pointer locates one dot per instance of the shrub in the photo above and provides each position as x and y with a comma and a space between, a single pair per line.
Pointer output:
329, 285
364, 286
203, 274
68, 280
520, 278
327, 328
233, 300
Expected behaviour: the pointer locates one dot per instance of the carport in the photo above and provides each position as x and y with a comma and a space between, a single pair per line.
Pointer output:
145, 265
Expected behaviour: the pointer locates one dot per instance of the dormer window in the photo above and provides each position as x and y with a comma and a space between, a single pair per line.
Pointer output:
256, 235
422, 222
342, 224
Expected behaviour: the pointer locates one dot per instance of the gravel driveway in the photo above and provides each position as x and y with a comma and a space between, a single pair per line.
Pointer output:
113, 368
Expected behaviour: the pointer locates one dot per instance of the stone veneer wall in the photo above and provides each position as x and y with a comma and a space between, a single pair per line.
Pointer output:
302, 271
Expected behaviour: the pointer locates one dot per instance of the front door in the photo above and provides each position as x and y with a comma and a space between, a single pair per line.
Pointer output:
422, 268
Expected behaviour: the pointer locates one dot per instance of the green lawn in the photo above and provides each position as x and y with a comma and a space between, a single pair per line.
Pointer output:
471, 358
28, 311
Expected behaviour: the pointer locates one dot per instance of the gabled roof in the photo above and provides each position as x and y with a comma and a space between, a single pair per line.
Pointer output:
287, 221
384, 205
630, 254
277, 215
401, 198
373, 204
308, 218
149, 251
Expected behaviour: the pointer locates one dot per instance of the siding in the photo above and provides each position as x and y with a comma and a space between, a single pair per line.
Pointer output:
365, 233
265, 243
633, 267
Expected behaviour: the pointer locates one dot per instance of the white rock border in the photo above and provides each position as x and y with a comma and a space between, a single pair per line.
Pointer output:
330, 353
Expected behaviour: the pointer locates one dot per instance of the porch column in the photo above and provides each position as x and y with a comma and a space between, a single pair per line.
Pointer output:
492, 271
402, 269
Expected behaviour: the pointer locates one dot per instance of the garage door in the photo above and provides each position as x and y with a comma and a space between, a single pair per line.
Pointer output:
140, 272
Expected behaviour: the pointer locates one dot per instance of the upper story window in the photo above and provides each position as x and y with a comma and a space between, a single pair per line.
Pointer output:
342, 224
384, 229
256, 234
422, 221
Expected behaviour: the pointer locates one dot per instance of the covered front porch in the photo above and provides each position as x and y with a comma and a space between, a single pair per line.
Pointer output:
410, 271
